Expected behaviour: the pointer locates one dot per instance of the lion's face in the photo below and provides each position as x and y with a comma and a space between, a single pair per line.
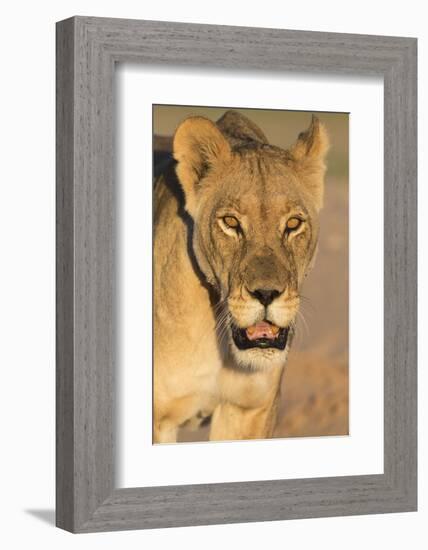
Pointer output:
255, 210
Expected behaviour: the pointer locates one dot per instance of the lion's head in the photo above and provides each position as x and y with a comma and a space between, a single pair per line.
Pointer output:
255, 210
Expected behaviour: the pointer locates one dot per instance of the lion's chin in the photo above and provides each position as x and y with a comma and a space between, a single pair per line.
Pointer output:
254, 359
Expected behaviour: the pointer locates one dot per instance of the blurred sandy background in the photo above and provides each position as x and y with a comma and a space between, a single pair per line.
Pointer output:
314, 391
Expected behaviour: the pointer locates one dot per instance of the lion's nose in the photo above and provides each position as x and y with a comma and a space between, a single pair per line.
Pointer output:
265, 295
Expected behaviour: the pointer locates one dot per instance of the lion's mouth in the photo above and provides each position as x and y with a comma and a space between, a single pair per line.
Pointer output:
261, 335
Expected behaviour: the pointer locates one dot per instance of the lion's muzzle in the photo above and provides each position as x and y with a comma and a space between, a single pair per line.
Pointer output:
260, 335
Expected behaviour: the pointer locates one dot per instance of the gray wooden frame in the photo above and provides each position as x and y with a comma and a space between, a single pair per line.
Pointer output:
87, 50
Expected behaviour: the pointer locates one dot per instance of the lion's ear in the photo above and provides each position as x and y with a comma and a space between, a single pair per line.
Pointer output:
308, 157
198, 145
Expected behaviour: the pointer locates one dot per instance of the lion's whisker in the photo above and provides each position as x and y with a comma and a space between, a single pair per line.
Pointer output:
307, 302
305, 324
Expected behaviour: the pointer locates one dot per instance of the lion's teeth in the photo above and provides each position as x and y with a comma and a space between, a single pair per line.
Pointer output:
274, 329
251, 330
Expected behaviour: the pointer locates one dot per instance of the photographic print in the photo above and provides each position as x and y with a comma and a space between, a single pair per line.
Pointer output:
250, 273
202, 214
203, 285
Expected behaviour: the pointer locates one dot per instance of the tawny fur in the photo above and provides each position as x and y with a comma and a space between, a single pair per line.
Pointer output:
205, 272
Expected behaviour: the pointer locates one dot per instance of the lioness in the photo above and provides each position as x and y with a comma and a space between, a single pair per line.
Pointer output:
236, 228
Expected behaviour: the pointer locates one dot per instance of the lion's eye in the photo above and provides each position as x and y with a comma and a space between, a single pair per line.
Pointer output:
293, 224
231, 222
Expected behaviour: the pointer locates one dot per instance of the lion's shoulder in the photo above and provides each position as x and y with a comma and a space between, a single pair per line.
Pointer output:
240, 130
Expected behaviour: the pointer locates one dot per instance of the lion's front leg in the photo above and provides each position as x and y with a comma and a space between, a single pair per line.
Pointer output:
164, 432
248, 409
231, 421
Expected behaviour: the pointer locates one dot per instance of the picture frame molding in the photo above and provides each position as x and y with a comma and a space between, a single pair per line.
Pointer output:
87, 51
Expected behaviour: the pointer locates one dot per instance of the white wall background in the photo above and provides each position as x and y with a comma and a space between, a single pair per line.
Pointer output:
27, 272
